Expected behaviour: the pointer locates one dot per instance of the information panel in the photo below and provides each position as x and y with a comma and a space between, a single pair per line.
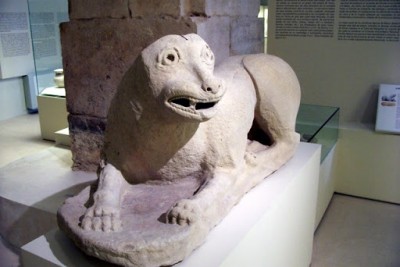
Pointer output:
16, 57
369, 20
341, 50
388, 114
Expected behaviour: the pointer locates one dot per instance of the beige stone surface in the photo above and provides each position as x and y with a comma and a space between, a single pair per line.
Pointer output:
104, 37
147, 240
89, 9
87, 138
221, 7
86, 150
177, 156
193, 8
155, 8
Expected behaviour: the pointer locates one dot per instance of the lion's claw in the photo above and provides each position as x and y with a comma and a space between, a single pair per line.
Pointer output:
102, 219
185, 212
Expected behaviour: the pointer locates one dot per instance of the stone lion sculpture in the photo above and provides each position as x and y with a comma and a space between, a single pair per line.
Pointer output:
184, 142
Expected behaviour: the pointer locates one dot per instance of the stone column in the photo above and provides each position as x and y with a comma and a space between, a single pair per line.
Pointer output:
104, 37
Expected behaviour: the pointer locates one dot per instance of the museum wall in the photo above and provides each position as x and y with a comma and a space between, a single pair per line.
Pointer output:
15, 56
341, 52
103, 38
29, 52
340, 57
12, 101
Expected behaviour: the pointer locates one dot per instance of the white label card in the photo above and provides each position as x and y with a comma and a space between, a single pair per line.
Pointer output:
388, 109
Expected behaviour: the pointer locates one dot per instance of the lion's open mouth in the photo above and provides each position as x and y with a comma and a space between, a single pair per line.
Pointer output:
194, 104
194, 108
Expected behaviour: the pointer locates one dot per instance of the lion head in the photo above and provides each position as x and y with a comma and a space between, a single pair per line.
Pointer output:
180, 70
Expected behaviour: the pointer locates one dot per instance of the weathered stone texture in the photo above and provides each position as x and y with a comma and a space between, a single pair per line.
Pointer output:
87, 136
86, 148
193, 8
81, 123
88, 9
96, 56
146, 209
104, 37
87, 141
155, 8
247, 36
230, 8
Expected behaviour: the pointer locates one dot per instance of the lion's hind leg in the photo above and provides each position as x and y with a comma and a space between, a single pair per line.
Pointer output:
278, 100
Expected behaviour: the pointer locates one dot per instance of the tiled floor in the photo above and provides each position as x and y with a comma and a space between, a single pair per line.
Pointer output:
19, 137
9, 255
354, 232
358, 232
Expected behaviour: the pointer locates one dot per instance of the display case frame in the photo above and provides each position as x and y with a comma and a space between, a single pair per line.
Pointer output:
318, 124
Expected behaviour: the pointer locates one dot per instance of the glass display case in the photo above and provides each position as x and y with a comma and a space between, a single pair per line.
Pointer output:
320, 125
45, 17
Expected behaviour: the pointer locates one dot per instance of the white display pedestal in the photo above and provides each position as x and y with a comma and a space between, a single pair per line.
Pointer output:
32, 189
273, 225
62, 137
52, 112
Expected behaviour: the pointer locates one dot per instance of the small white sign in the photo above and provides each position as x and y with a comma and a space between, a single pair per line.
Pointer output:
388, 110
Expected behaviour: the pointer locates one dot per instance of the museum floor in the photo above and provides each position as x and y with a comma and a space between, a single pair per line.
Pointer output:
354, 231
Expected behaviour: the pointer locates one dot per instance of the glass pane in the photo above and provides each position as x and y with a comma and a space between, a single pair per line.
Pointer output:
318, 124
45, 17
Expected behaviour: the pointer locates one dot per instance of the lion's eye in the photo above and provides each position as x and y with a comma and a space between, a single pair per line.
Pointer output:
207, 55
169, 57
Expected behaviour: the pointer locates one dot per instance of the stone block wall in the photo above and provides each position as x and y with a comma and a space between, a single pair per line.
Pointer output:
104, 37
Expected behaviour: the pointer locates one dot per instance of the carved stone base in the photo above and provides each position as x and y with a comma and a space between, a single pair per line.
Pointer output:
146, 240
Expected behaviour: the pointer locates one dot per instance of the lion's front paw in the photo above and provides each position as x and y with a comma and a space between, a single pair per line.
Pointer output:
102, 218
184, 212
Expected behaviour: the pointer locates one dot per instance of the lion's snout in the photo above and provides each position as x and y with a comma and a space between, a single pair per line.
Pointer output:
213, 85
